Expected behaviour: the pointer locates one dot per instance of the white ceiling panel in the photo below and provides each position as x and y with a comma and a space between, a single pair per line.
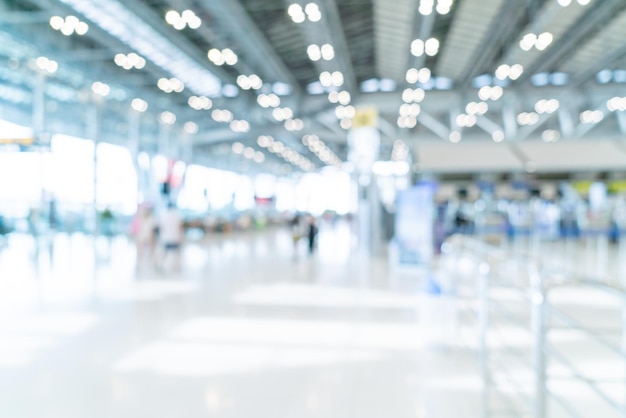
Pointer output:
467, 156
603, 44
575, 155
466, 35
552, 18
393, 23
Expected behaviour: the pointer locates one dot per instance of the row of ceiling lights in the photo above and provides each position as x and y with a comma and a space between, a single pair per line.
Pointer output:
540, 42
321, 150
129, 61
316, 52
248, 152
69, 25
443, 7
566, 3
429, 47
181, 20
286, 153
298, 14
248, 82
513, 73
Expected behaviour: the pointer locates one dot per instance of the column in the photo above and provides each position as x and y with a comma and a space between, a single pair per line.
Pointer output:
364, 147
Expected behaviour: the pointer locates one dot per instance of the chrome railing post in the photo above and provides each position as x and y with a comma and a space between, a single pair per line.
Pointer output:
483, 322
539, 324
623, 347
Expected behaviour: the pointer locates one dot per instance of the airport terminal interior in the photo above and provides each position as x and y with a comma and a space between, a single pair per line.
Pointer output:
312, 208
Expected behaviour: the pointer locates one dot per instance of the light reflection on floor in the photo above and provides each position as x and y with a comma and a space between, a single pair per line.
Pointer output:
250, 327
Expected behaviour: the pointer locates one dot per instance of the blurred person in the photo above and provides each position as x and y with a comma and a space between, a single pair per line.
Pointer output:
170, 229
33, 221
144, 228
296, 230
107, 220
312, 233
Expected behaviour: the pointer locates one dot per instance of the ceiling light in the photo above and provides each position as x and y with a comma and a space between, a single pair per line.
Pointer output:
547, 106
69, 25
221, 115
426, 7
344, 98
616, 104
497, 136
455, 137
423, 75
259, 157
139, 105
81, 28
337, 78
540, 42
444, 6
200, 102
225, 56
191, 128
264, 141
268, 100
312, 11
46, 64
328, 52
527, 118
167, 118
243, 82
296, 13
326, 79
408, 95
172, 16
550, 135
314, 53
56, 22
544, 40
294, 125
100, 88
238, 147
490, 93
255, 81
591, 116
431, 47
182, 20
239, 126
119, 21
129, 61
417, 47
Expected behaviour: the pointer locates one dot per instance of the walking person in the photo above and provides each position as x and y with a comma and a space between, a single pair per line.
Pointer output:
312, 234
171, 237
144, 231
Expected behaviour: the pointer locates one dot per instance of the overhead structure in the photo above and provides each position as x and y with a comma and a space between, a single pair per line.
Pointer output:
439, 71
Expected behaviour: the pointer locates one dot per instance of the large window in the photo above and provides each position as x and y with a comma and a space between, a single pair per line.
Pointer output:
117, 179
65, 173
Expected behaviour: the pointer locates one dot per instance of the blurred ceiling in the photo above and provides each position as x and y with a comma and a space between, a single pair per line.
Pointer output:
496, 71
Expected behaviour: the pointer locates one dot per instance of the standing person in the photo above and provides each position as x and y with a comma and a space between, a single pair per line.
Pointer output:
296, 230
312, 234
145, 234
171, 236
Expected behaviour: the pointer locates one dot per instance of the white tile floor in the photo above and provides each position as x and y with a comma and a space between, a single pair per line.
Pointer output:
248, 328
251, 327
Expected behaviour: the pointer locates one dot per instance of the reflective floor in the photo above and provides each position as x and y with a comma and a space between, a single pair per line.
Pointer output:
249, 326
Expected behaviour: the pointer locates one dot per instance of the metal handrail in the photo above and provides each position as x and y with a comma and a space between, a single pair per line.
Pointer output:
540, 287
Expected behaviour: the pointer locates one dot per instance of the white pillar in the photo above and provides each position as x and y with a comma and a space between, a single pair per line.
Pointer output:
364, 147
